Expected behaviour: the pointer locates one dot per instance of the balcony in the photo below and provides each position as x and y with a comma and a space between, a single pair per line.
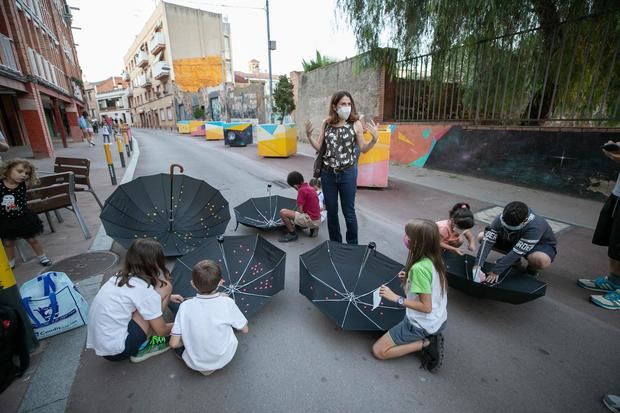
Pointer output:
7, 56
157, 43
142, 58
130, 91
125, 75
143, 81
161, 70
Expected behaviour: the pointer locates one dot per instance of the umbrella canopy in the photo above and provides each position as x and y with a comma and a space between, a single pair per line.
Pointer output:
177, 210
263, 213
514, 285
340, 280
253, 270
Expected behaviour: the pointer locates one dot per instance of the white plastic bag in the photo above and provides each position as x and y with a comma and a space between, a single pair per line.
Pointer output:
53, 304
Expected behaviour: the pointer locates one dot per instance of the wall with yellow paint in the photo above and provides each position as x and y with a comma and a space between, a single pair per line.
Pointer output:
194, 73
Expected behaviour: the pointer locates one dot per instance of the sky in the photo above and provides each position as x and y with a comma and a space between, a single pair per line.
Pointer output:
299, 27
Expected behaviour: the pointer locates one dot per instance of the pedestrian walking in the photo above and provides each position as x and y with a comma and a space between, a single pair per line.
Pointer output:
105, 131
87, 128
16, 219
125, 320
425, 302
341, 139
203, 332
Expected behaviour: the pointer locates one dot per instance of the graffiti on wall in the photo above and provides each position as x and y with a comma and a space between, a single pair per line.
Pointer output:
413, 143
568, 161
197, 72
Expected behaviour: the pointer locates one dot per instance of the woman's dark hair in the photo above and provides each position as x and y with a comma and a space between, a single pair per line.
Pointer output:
144, 259
85, 114
461, 216
295, 178
332, 117
206, 276
515, 213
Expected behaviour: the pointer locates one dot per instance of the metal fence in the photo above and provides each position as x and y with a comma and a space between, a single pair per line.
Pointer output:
572, 78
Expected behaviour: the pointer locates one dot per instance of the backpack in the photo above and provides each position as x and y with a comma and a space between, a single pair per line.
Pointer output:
12, 345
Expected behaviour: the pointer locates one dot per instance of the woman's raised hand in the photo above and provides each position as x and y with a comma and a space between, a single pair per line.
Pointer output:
371, 127
309, 128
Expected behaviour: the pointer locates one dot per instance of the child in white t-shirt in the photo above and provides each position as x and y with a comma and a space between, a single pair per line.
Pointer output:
125, 319
202, 334
316, 184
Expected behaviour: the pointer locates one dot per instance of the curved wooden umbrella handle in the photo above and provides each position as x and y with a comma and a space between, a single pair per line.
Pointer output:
175, 165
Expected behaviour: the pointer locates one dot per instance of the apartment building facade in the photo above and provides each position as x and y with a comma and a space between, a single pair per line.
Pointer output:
180, 54
40, 77
110, 98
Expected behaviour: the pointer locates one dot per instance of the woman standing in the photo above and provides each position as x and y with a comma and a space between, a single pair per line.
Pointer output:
87, 128
342, 134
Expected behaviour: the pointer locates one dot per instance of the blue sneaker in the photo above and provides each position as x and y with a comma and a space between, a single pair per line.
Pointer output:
602, 284
610, 301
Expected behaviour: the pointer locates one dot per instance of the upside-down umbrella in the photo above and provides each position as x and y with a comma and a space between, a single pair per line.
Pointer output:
252, 268
263, 213
340, 280
513, 286
177, 210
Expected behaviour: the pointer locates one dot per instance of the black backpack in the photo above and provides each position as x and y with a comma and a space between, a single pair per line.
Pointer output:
12, 346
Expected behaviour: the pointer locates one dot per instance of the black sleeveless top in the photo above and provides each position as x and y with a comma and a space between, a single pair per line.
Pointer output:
341, 143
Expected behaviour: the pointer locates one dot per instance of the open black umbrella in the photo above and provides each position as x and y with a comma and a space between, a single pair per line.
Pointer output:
252, 268
177, 210
514, 285
263, 213
340, 280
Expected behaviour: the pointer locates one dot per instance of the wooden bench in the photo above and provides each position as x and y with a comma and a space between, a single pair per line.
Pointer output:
53, 192
81, 170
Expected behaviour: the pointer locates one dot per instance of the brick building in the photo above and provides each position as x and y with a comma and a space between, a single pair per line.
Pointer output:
40, 76
109, 97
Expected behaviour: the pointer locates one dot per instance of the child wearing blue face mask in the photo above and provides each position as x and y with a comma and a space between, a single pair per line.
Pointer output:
517, 232
453, 230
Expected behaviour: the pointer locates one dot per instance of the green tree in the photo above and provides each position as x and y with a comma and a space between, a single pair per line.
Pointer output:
417, 27
318, 61
199, 112
283, 99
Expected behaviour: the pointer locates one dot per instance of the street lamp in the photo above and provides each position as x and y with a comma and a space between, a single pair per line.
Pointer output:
270, 47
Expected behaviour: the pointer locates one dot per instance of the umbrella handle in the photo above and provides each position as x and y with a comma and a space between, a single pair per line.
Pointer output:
175, 165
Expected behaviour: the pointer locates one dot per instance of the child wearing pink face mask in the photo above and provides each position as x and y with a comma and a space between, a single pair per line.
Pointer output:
453, 230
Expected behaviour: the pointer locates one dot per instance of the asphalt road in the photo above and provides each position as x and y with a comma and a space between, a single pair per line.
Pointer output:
556, 354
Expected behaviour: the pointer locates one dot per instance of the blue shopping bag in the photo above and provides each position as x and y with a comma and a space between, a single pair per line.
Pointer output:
53, 304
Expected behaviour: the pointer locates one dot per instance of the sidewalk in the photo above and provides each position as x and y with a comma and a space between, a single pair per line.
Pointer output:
46, 384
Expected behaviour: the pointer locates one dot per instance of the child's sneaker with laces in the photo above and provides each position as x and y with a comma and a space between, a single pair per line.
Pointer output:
432, 355
603, 284
610, 301
156, 345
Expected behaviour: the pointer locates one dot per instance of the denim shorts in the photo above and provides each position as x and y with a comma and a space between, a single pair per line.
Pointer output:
133, 342
406, 332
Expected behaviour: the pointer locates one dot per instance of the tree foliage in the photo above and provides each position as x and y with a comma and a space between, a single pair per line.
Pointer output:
318, 61
571, 61
283, 98
199, 112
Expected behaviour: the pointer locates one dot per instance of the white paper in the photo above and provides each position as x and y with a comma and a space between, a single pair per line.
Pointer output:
479, 276
376, 299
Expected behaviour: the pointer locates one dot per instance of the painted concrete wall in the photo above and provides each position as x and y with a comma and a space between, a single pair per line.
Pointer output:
413, 143
317, 86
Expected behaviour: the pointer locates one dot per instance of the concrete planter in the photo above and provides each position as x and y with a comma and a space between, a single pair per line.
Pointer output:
214, 131
183, 126
275, 140
238, 134
373, 166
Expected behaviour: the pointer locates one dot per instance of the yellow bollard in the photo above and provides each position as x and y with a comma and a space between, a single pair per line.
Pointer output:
119, 146
9, 296
108, 158
126, 136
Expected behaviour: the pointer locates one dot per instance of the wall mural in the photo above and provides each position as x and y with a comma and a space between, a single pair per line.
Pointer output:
412, 144
197, 72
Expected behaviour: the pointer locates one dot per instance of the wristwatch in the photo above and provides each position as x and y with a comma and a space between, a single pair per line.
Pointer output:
401, 301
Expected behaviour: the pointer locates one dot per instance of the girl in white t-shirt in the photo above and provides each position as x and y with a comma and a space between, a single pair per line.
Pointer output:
125, 319
426, 300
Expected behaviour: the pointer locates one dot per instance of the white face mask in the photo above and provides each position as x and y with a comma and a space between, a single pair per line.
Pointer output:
344, 112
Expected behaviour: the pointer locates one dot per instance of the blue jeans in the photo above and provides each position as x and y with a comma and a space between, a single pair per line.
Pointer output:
345, 184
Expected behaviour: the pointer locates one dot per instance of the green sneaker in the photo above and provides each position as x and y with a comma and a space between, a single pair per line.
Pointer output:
610, 301
156, 345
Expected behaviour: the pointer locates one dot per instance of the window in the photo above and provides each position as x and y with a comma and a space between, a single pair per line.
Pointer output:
169, 113
161, 115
